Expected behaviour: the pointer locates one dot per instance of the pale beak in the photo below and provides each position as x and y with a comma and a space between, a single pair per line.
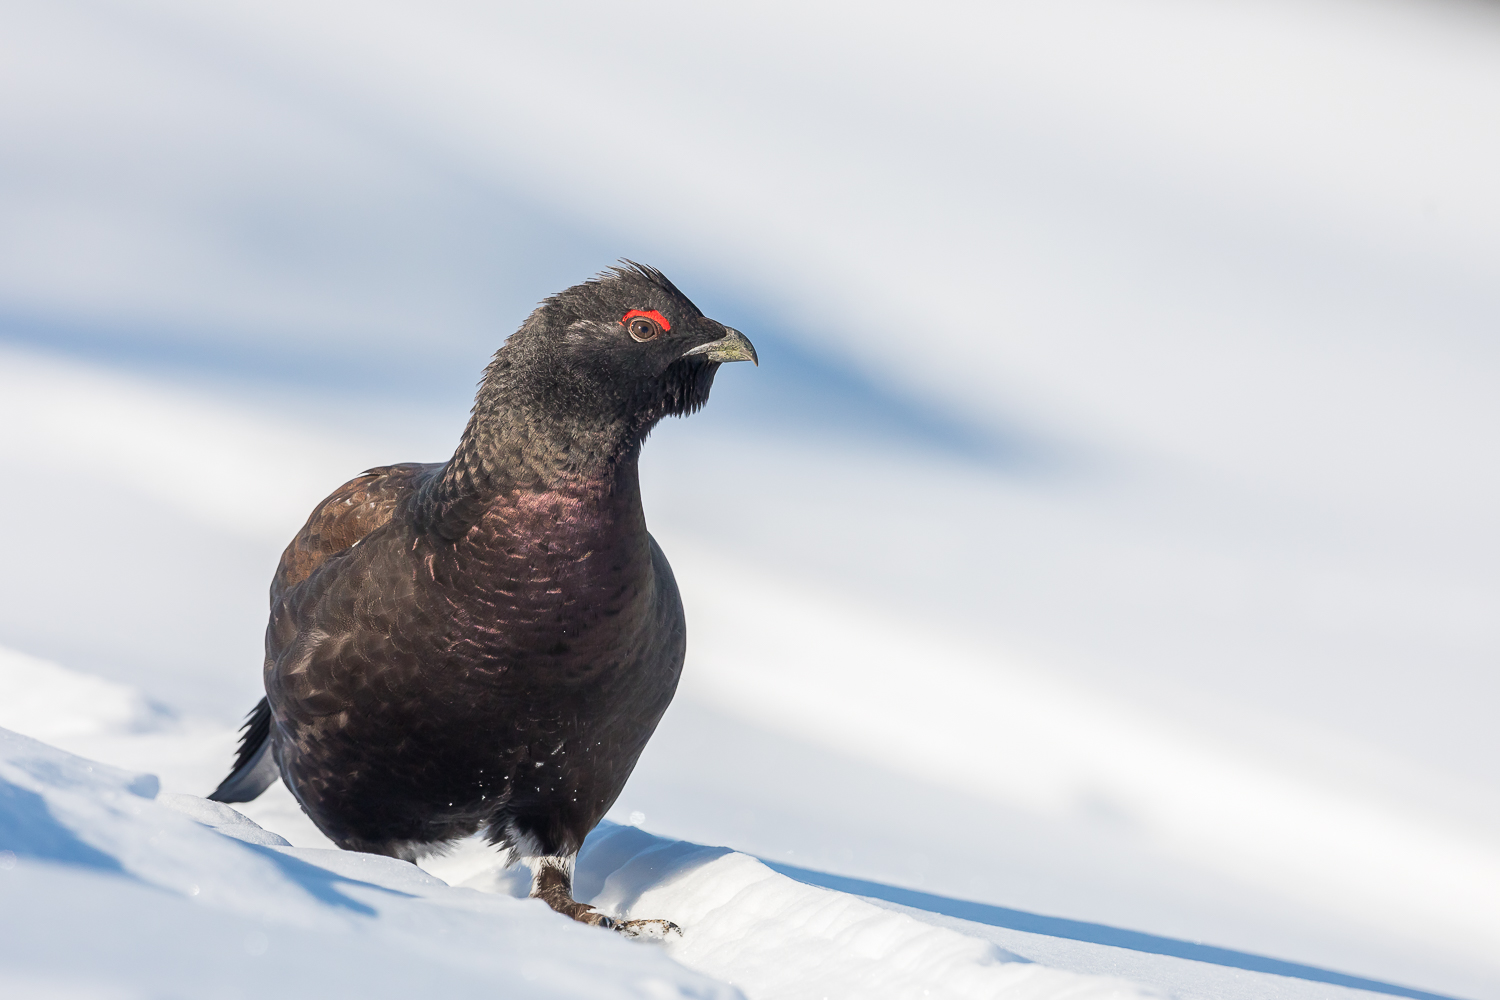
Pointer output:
734, 346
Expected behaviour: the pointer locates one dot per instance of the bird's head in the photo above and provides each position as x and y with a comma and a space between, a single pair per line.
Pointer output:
624, 350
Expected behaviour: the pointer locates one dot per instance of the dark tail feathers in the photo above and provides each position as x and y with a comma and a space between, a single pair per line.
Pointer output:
254, 767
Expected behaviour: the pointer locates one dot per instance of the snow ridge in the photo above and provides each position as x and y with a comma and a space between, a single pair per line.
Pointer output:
774, 936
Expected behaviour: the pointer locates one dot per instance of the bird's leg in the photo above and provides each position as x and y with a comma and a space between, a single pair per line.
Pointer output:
552, 883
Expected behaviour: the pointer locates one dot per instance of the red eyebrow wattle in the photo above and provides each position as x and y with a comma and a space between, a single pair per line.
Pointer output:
649, 314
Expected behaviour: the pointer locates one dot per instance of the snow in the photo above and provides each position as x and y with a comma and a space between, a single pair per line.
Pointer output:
53, 703
191, 896
777, 937
153, 861
1100, 567
186, 897
1067, 751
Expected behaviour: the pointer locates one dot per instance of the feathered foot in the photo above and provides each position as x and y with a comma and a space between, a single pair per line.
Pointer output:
552, 883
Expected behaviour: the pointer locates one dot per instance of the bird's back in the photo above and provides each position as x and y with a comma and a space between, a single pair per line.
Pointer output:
345, 517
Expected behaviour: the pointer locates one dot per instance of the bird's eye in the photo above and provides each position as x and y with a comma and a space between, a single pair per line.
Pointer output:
645, 325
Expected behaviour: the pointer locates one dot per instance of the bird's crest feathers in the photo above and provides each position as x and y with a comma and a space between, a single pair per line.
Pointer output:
629, 269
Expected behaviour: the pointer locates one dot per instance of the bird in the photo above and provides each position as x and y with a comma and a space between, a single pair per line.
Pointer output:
484, 646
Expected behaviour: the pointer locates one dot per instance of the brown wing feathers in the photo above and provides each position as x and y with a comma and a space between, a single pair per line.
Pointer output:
347, 515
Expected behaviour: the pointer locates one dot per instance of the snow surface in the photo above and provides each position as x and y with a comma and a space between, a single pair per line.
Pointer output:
188, 898
191, 897
1102, 564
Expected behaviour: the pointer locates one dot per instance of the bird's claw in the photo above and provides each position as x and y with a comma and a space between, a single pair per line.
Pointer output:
596, 919
649, 930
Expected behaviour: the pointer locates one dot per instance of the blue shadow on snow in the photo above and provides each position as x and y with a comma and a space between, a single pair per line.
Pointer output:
322, 884
29, 830
1078, 930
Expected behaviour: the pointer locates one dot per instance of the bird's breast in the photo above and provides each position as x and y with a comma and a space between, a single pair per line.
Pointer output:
553, 577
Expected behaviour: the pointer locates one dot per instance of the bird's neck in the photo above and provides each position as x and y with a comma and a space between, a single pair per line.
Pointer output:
509, 450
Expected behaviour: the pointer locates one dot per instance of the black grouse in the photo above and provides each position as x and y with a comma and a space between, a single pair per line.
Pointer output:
485, 645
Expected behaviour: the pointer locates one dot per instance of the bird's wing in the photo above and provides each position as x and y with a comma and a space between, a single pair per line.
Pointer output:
348, 514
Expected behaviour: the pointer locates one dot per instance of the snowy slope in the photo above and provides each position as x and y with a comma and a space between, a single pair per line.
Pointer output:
189, 896
177, 909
